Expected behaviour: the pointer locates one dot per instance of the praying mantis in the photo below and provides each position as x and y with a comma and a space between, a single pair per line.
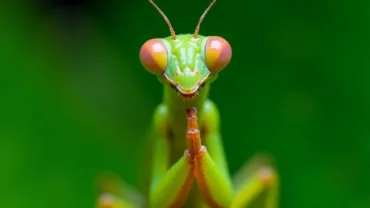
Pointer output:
188, 163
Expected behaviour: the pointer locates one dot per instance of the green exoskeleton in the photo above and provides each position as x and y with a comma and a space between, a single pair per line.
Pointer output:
188, 164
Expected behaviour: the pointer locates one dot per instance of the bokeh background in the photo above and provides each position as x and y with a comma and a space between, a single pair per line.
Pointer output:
75, 100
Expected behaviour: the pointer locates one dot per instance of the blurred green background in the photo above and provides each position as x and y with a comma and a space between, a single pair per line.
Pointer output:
75, 100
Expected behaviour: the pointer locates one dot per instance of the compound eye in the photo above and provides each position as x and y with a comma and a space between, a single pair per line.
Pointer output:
153, 56
217, 53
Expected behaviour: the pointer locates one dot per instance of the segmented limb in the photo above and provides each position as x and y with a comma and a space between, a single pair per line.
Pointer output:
114, 193
170, 184
109, 200
212, 179
256, 184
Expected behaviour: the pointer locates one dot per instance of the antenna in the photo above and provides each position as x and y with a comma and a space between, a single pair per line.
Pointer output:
173, 34
202, 17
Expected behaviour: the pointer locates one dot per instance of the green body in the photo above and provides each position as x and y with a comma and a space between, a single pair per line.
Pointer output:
170, 168
170, 116
185, 51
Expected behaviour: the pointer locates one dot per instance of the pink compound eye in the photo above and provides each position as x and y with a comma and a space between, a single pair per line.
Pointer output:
217, 53
153, 56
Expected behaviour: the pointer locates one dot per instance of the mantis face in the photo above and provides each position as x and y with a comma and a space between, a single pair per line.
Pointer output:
187, 62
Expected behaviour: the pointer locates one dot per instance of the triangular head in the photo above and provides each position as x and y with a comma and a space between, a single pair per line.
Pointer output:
186, 62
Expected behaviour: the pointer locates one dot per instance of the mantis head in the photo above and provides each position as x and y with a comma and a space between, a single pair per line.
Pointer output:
186, 62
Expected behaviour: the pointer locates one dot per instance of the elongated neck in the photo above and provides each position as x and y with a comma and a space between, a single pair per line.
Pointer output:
177, 106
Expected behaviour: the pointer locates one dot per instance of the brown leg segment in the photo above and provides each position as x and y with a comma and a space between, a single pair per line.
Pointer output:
210, 178
193, 134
